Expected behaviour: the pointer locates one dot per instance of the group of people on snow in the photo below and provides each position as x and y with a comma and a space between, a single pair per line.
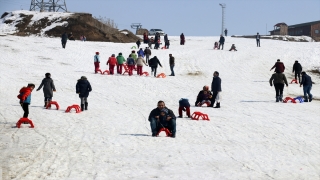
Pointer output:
278, 79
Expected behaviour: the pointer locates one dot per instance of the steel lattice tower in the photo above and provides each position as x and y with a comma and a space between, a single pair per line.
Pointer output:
48, 5
223, 6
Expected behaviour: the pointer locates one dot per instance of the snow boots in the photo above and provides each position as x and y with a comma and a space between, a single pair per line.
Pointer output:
82, 107
277, 98
45, 104
217, 105
280, 97
86, 106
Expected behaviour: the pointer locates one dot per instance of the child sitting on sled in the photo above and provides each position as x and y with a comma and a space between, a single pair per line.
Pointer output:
216, 45
206, 96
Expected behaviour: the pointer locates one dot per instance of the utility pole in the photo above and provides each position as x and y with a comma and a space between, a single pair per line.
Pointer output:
48, 5
223, 6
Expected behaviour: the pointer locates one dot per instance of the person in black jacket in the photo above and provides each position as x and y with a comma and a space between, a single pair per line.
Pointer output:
258, 39
216, 89
153, 63
221, 41
297, 68
155, 123
83, 88
307, 85
64, 39
171, 62
138, 43
48, 88
184, 105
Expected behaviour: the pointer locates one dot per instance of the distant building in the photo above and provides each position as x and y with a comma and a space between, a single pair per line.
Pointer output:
311, 29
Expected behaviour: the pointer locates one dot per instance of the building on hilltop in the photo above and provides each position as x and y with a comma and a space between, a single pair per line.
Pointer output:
311, 29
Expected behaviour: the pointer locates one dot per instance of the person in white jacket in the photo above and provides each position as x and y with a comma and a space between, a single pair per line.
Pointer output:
139, 62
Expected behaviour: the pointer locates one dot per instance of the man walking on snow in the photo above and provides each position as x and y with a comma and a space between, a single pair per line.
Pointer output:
216, 89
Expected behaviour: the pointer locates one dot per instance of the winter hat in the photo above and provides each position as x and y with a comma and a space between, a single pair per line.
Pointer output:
31, 85
120, 54
97, 53
164, 110
133, 51
278, 59
83, 77
113, 55
47, 75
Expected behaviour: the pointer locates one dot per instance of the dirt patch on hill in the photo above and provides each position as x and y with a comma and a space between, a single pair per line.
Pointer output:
78, 23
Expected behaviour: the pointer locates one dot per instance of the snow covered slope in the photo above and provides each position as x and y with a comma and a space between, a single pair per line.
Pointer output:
250, 137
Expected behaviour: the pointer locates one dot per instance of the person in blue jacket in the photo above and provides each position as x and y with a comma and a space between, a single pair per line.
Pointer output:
83, 88
141, 53
215, 88
306, 82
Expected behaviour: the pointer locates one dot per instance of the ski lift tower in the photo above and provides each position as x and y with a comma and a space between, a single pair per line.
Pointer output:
136, 26
223, 6
48, 5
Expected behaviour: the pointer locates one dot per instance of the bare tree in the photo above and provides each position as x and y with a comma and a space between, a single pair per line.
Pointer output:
107, 21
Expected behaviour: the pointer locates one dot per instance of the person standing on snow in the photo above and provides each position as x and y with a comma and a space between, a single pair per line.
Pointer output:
138, 44
153, 63
225, 32
141, 53
130, 63
307, 85
216, 89
96, 60
171, 62
258, 39
25, 98
120, 61
48, 88
279, 66
221, 41
147, 52
83, 87
297, 68
139, 62
182, 39
155, 123
278, 79
64, 39
112, 61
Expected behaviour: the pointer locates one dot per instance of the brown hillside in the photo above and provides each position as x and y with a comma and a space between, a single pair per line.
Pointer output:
79, 24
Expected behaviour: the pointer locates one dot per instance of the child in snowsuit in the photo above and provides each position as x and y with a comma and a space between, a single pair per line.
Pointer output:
141, 53
163, 118
48, 88
112, 61
120, 61
96, 61
233, 47
139, 62
130, 63
83, 88
216, 45
184, 105
25, 98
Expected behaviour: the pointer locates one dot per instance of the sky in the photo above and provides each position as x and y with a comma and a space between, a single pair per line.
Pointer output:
193, 17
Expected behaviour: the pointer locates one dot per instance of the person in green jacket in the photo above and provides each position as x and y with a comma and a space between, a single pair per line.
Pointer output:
278, 79
120, 60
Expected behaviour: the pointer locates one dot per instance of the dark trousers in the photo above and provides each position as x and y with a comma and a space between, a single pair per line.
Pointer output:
213, 99
119, 68
221, 44
306, 90
64, 44
111, 69
258, 42
155, 126
297, 74
279, 88
25, 107
172, 71
47, 99
154, 69
187, 110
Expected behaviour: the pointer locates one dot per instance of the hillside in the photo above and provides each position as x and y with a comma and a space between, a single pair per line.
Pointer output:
53, 24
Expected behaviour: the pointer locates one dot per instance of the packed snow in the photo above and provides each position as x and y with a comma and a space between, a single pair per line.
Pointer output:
17, 16
249, 137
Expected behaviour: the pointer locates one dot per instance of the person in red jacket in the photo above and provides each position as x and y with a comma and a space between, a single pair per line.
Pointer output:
112, 61
279, 67
25, 98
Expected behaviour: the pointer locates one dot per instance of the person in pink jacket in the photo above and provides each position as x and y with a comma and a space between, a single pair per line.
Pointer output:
112, 62
139, 62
